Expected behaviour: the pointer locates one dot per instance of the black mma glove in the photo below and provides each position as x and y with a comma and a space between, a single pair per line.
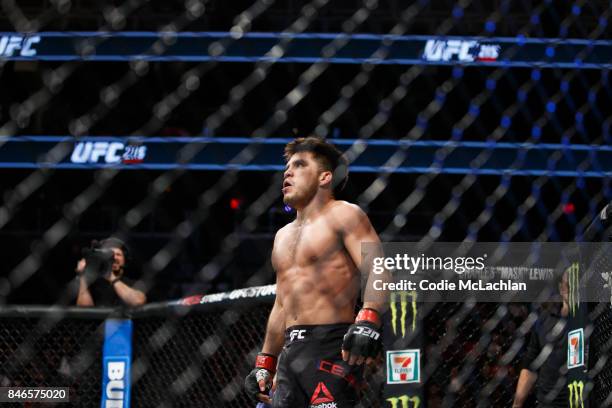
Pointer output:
265, 367
363, 337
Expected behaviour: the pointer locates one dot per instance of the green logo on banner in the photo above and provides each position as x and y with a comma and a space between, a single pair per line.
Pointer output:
403, 300
576, 389
573, 281
404, 401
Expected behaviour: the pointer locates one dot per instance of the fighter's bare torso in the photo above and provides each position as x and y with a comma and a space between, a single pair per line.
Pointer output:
317, 280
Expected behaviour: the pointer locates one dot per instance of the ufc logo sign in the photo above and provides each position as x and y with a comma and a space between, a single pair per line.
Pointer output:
297, 334
368, 332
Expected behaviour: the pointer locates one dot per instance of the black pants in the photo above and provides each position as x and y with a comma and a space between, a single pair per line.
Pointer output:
311, 372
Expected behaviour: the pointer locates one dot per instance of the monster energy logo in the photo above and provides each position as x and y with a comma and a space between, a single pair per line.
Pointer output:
573, 280
404, 401
403, 303
575, 394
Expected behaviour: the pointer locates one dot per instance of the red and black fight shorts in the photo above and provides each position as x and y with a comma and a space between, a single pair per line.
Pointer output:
311, 372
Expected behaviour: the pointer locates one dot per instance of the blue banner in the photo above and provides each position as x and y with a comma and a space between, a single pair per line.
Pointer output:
116, 362
377, 155
308, 48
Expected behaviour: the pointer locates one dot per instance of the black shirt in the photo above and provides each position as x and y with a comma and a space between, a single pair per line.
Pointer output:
103, 293
550, 338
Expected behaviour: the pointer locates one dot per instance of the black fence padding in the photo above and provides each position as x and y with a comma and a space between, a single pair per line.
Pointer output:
42, 352
197, 360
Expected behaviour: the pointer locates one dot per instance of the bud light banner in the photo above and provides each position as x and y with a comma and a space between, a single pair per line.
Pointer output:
116, 364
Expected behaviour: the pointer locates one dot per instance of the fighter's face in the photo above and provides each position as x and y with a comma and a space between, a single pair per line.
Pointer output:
301, 179
118, 260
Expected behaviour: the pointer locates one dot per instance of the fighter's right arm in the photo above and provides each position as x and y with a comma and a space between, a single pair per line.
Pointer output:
259, 380
525, 382
275, 330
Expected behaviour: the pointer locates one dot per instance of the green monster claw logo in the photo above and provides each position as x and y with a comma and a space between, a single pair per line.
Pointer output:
403, 303
573, 280
404, 401
575, 394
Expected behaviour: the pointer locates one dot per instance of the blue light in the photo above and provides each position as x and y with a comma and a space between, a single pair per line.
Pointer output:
457, 72
576, 10
490, 26
287, 208
506, 121
520, 39
579, 117
550, 52
521, 95
491, 83
457, 133
603, 22
565, 140
457, 12
551, 107
536, 75
536, 132
535, 19
474, 109
564, 86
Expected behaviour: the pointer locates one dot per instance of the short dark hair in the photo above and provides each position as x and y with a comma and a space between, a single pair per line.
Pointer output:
326, 154
114, 242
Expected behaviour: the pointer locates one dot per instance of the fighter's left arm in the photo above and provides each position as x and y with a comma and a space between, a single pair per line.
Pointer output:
356, 230
362, 342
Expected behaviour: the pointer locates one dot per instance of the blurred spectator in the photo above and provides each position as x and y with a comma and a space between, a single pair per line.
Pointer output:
101, 276
545, 362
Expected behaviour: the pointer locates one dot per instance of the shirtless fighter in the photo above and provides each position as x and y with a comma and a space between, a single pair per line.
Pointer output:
317, 259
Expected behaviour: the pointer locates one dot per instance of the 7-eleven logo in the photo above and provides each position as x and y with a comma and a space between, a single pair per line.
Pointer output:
321, 395
404, 363
575, 348
403, 366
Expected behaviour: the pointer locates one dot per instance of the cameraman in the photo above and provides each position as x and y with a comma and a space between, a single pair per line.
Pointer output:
101, 280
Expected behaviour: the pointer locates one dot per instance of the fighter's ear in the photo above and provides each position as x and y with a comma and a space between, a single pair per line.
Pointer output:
325, 178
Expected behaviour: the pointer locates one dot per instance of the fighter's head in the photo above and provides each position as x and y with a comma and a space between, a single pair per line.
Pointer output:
120, 252
313, 164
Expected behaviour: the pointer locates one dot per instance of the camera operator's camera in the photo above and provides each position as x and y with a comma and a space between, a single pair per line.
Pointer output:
99, 262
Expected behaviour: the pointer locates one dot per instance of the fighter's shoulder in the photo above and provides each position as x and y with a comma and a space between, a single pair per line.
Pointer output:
283, 231
341, 207
344, 211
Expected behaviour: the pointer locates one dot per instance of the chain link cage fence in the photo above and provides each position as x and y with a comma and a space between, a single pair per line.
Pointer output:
163, 123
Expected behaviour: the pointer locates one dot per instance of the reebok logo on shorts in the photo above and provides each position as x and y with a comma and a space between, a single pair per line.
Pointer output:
322, 398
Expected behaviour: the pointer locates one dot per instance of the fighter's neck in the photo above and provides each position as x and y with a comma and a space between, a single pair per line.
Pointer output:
314, 208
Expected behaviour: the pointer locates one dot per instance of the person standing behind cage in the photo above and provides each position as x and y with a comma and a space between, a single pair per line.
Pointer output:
545, 361
101, 276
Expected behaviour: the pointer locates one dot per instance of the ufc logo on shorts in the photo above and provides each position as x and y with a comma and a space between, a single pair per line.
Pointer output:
368, 332
297, 334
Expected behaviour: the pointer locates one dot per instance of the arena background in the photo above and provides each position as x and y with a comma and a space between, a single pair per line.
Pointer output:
201, 231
